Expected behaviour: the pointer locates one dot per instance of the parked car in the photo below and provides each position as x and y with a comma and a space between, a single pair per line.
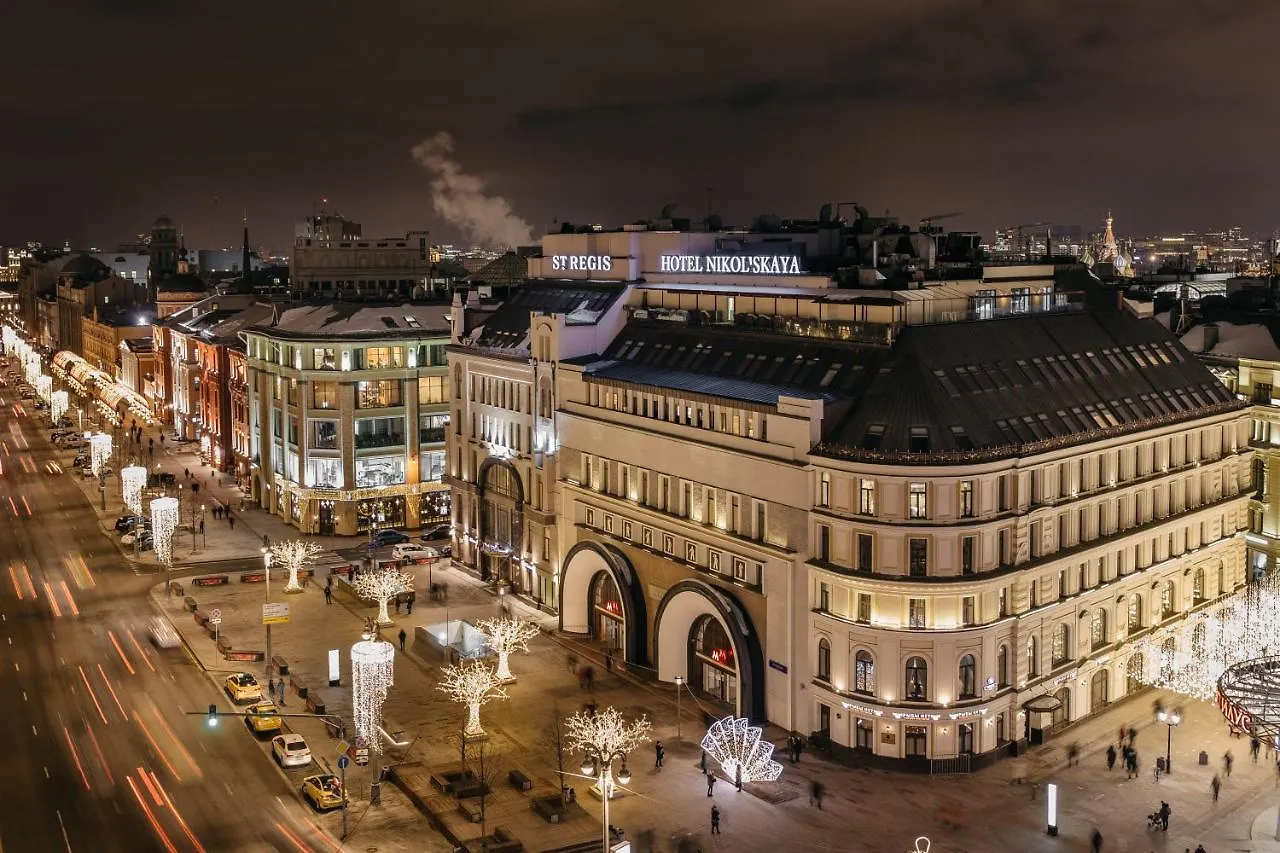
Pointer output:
323, 792
125, 523
436, 532
243, 687
163, 633
413, 552
40, 405
445, 550
263, 717
389, 537
290, 750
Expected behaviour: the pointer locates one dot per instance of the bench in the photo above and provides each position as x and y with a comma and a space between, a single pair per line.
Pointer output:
253, 577
189, 603
211, 629
471, 811
200, 616
175, 589
315, 704
244, 655
520, 781
296, 683
281, 665
224, 645
447, 780
469, 789
210, 580
503, 842
550, 807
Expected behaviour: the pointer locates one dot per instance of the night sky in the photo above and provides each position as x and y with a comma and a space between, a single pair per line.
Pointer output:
116, 111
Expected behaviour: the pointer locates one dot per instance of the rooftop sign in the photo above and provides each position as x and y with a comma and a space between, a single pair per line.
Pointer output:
740, 264
583, 263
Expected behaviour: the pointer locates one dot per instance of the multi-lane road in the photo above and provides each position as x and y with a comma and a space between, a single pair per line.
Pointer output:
99, 752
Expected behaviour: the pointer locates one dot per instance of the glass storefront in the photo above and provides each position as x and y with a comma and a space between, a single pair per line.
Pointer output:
379, 471
324, 472
433, 507
431, 466
380, 512
607, 623
713, 668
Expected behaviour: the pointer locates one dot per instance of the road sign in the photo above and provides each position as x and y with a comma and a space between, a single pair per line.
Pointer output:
274, 613
215, 616
343, 761
343, 746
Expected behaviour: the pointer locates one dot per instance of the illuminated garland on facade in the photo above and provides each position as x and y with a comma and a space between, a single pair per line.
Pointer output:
372, 674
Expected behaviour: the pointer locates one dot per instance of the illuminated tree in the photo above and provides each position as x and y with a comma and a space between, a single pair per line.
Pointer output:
603, 738
505, 636
472, 684
382, 586
296, 554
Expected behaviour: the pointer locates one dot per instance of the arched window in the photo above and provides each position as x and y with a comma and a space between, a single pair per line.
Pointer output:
1002, 666
864, 673
1061, 651
968, 677
824, 660
1135, 613
1168, 600
1098, 628
1222, 578
1033, 658
1197, 586
1134, 673
917, 679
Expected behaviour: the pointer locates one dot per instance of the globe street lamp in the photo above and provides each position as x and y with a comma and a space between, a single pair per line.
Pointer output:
1170, 718
266, 566
604, 738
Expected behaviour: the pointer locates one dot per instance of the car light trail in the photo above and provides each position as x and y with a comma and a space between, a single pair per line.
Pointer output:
191, 836
323, 836
112, 691
101, 758
17, 587
26, 506
116, 643
79, 570
75, 611
31, 587
142, 653
151, 818
137, 718
76, 755
13, 507
151, 789
182, 750
53, 602
96, 704
297, 842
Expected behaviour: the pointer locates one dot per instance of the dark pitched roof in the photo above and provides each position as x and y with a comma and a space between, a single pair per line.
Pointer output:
508, 326
1017, 382
181, 283
508, 269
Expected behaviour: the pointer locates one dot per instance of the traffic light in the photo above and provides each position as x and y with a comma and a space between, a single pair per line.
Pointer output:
213, 716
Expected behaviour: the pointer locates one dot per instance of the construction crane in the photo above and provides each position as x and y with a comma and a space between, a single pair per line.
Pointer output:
926, 222
1024, 239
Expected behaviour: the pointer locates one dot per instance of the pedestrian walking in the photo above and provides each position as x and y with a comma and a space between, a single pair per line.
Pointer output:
590, 675
1227, 760
570, 659
1200, 849
703, 762
1254, 746
1111, 757
186, 473
266, 541
715, 820
202, 525
1120, 739
328, 593
280, 691
271, 688
403, 637
397, 605
1096, 840
1073, 754
816, 793
711, 783
608, 661
1133, 735
1215, 785
1164, 813
658, 752
231, 520
799, 747
409, 605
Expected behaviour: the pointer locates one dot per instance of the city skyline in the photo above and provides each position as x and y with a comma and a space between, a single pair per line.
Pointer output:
1068, 111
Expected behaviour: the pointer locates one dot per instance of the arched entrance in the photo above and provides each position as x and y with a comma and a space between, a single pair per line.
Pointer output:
501, 497
705, 636
1099, 691
600, 595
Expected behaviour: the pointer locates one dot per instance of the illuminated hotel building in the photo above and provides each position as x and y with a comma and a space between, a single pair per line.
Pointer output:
347, 410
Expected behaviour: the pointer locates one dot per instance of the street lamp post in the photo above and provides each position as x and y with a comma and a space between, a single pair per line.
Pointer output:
590, 763
603, 738
1170, 718
266, 565
679, 687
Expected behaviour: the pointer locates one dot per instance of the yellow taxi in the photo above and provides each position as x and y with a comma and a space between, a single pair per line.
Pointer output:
263, 717
243, 687
323, 792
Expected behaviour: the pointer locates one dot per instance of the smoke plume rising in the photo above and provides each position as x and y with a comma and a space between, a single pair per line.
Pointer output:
461, 199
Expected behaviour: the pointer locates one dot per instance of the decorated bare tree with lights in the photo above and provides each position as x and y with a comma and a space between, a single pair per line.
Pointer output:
603, 738
472, 684
505, 636
382, 586
295, 555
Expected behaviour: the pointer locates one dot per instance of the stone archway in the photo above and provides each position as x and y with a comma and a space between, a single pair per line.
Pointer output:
500, 495
590, 570
685, 607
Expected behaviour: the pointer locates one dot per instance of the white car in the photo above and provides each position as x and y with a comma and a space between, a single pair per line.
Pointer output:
412, 552
163, 633
290, 750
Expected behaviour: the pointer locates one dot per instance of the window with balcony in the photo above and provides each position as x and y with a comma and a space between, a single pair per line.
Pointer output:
966, 499
431, 428
1135, 613
324, 435
824, 490
864, 673
864, 608
824, 543
917, 557
866, 553
968, 611
1098, 629
324, 358
824, 597
918, 500
917, 617
378, 432
432, 389
379, 358
378, 394
1168, 600
324, 395
968, 555
1197, 586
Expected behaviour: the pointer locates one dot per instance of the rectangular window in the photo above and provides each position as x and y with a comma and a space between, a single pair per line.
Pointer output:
866, 552
966, 499
824, 490
968, 611
378, 394
381, 358
824, 597
918, 500
378, 432
760, 525
430, 467
824, 543
918, 557
916, 617
379, 471
324, 395
968, 555
867, 497
431, 389
1003, 489
591, 517
323, 358
324, 472
1004, 601
864, 607
432, 427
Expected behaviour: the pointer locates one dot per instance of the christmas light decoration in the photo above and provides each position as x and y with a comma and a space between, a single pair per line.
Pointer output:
382, 586
603, 738
922, 840
372, 673
164, 520
472, 684
33, 368
44, 387
735, 743
99, 452
132, 480
504, 637
295, 554
58, 405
